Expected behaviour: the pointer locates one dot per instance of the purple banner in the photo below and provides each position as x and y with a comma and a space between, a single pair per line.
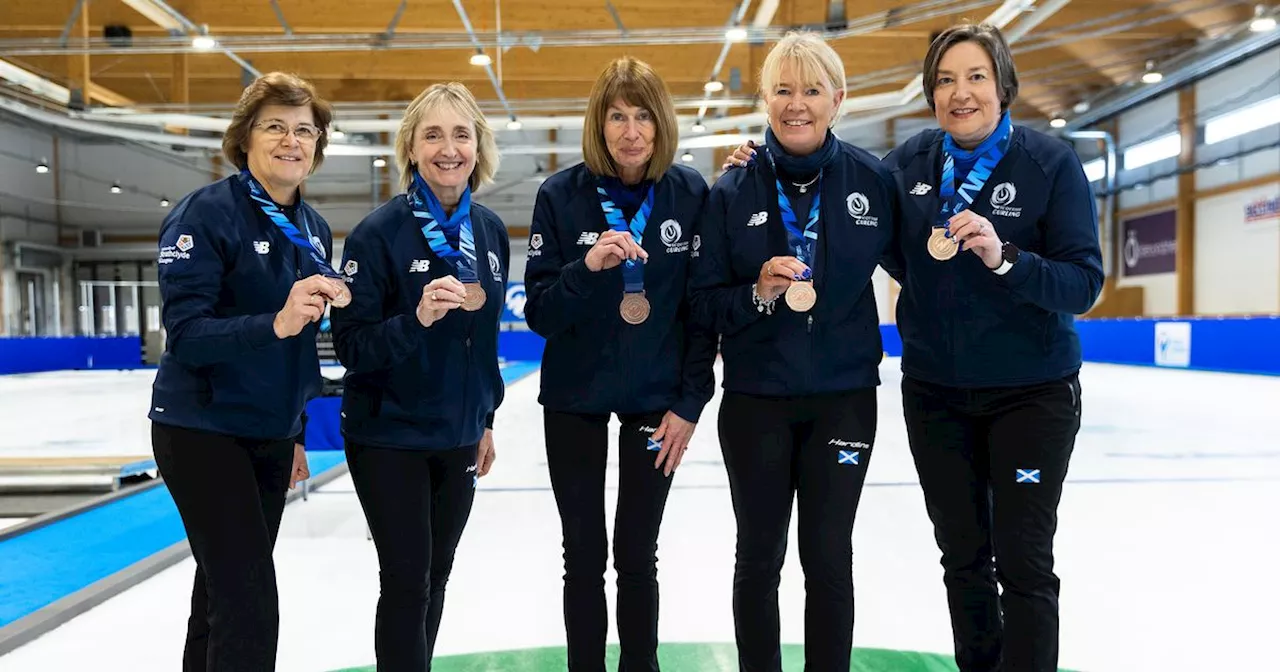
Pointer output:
1150, 244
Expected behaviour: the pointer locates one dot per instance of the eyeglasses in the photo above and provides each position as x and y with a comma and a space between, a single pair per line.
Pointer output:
276, 129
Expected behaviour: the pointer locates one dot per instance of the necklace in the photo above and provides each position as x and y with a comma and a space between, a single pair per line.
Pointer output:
804, 188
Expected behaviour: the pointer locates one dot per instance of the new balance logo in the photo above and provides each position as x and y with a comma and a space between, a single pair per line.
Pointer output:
588, 238
419, 265
758, 218
262, 246
920, 189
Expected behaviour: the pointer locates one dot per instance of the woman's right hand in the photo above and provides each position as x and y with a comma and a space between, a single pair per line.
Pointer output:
741, 156
777, 274
611, 249
305, 304
439, 297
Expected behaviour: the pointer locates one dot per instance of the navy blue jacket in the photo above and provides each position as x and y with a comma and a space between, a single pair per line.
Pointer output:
836, 346
961, 324
594, 362
409, 386
225, 271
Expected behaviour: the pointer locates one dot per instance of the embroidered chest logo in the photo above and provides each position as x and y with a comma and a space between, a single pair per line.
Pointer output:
697, 244
495, 267
920, 189
588, 238
262, 246
758, 218
671, 234
535, 246
419, 265
185, 243
1002, 198
858, 207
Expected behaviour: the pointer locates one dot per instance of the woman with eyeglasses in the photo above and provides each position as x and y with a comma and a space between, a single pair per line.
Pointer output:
244, 278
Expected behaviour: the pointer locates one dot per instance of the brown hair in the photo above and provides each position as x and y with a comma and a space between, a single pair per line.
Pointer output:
274, 88
636, 84
460, 98
989, 38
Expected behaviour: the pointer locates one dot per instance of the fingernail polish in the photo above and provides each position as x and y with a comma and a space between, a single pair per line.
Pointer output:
947, 234
807, 274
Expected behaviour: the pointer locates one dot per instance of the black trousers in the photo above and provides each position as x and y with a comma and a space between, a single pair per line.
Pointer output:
577, 449
992, 463
815, 449
417, 503
230, 493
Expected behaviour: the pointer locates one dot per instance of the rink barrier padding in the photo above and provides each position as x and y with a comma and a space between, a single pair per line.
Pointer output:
33, 354
39, 621
1244, 344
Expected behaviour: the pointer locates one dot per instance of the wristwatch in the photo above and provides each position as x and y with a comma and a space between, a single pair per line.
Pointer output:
1009, 256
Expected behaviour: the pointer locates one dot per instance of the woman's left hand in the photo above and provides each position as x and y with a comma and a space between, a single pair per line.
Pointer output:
300, 470
674, 433
976, 234
485, 455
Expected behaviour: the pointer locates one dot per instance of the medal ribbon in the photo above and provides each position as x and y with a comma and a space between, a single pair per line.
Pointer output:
427, 207
989, 154
303, 240
632, 269
802, 242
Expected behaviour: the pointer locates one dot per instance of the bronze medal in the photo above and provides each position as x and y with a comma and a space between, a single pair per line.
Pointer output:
475, 297
634, 308
940, 246
801, 296
343, 299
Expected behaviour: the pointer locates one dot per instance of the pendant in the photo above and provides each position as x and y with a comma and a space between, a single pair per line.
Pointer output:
940, 246
634, 308
801, 296
475, 298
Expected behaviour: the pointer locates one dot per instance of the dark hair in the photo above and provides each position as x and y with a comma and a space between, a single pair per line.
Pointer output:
989, 38
274, 88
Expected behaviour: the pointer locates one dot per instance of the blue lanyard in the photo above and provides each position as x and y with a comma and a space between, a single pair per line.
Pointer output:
802, 242
632, 270
304, 241
989, 154
427, 207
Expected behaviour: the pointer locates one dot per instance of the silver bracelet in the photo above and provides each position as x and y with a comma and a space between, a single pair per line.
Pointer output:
761, 305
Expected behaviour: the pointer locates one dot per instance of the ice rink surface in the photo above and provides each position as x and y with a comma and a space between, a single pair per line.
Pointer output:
1167, 541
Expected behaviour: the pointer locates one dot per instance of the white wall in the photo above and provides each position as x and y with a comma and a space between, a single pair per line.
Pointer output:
1237, 263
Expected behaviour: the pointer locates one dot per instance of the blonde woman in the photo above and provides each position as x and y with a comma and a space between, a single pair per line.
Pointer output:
789, 244
427, 272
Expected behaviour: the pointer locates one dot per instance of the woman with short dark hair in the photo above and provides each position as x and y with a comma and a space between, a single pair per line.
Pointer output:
244, 276
997, 251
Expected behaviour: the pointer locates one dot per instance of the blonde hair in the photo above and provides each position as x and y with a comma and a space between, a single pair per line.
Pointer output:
458, 97
274, 88
811, 59
636, 84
